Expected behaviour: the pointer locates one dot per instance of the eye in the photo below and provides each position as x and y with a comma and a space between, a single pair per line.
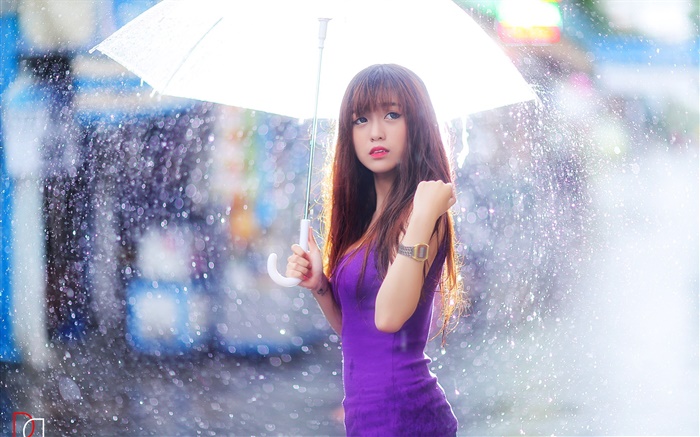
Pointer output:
360, 120
393, 116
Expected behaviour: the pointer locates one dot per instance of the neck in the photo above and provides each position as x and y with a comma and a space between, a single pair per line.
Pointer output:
382, 186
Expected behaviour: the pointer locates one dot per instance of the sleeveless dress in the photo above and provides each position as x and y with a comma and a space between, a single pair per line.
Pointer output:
389, 389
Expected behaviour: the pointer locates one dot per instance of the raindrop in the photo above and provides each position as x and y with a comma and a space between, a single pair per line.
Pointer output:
68, 389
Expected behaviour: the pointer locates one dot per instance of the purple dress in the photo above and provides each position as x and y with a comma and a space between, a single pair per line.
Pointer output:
389, 389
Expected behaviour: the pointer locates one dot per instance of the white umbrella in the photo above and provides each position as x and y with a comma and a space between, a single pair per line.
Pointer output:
266, 55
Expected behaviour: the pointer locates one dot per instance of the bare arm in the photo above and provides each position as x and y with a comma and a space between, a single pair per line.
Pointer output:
324, 296
308, 266
400, 291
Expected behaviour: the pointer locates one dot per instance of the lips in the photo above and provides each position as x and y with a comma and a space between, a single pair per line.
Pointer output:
378, 152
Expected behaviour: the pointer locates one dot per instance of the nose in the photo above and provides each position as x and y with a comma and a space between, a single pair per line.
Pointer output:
377, 132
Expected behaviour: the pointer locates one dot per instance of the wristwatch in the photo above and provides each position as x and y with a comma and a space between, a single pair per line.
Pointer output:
419, 252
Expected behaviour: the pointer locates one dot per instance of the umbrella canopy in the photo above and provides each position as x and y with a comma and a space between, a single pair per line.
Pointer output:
264, 54
269, 55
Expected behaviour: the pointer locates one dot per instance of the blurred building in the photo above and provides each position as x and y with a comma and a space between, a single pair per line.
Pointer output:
61, 171
132, 216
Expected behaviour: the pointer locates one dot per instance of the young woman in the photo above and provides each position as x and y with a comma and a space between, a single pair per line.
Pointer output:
389, 249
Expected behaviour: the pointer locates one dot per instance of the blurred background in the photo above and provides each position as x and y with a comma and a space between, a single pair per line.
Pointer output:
135, 227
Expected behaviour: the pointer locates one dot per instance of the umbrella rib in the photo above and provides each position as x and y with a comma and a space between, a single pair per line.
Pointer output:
189, 52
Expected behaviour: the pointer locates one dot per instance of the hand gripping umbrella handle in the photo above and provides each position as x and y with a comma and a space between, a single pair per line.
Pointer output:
272, 259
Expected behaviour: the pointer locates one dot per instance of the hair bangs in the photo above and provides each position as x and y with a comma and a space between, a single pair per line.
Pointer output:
377, 90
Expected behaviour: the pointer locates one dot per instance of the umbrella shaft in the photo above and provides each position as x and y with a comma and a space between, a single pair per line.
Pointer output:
323, 23
314, 133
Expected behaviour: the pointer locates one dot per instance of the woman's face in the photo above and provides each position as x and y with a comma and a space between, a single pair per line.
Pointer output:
380, 138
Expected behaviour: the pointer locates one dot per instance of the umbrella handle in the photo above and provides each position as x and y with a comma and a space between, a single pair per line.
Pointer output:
272, 259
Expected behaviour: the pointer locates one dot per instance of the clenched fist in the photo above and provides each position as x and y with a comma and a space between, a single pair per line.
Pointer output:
433, 199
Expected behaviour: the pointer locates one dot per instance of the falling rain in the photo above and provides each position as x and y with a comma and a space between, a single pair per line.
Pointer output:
135, 229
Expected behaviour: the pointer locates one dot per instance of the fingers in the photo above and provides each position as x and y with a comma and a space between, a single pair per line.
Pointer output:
298, 263
453, 195
298, 250
305, 265
438, 190
297, 270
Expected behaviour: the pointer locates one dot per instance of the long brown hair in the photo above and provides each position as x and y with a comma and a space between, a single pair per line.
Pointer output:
349, 193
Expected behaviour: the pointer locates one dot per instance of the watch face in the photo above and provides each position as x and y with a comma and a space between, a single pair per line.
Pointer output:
421, 251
